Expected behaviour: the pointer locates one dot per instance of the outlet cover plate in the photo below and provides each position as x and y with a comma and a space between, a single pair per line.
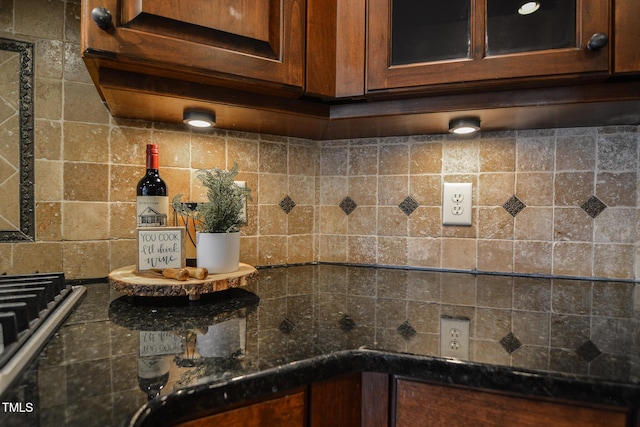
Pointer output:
454, 337
457, 205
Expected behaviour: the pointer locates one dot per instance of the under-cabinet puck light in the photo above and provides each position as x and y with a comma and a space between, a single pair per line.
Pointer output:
464, 125
199, 119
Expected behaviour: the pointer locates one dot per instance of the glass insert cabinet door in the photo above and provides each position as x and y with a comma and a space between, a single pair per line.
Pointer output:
432, 42
527, 26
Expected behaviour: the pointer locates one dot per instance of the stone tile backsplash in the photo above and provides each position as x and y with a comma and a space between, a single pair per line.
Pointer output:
560, 202
557, 201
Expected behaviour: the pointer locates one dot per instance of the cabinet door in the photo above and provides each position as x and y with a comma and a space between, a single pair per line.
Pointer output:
261, 40
626, 37
419, 43
287, 411
360, 399
428, 404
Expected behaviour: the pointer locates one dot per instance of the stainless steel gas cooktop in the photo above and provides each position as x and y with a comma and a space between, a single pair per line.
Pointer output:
32, 307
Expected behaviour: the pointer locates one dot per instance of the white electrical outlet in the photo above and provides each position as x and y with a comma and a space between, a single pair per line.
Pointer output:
457, 203
454, 338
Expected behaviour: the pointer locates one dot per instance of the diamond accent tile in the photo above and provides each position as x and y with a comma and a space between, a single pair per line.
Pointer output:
588, 351
510, 343
286, 326
406, 330
514, 206
287, 204
408, 205
348, 205
347, 324
593, 206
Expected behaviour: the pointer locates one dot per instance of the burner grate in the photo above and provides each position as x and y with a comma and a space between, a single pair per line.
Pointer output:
32, 307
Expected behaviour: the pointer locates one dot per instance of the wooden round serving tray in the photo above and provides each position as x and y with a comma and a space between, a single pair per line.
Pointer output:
150, 284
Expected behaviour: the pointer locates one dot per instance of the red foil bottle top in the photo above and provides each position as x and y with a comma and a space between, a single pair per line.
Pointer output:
152, 156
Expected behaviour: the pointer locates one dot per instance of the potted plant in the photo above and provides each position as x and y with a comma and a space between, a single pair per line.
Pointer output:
218, 220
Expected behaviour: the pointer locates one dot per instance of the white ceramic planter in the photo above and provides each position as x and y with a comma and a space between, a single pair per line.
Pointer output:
218, 252
223, 339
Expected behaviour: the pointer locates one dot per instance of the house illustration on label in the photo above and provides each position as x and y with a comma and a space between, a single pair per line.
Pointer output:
152, 218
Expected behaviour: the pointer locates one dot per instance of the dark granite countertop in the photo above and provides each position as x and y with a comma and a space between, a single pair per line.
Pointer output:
562, 338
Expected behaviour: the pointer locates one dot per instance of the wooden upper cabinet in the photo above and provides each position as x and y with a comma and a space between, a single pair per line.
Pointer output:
335, 48
338, 69
431, 43
261, 41
626, 37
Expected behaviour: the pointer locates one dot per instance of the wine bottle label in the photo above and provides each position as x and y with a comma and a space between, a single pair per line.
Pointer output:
152, 211
153, 366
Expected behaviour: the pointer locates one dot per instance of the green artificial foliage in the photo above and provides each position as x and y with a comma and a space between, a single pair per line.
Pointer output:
222, 213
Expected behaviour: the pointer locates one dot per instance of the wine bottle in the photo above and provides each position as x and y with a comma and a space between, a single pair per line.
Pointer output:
153, 374
152, 202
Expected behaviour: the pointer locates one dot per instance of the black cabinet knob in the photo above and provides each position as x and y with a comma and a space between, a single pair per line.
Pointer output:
597, 41
102, 17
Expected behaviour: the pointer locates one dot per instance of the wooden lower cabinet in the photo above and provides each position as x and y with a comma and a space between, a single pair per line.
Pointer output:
368, 399
423, 404
360, 399
286, 411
